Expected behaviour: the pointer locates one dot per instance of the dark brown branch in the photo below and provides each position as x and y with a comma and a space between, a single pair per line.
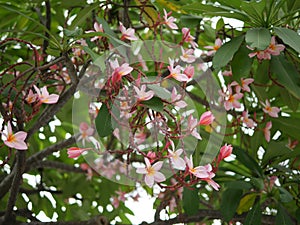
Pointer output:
14, 190
98, 220
58, 165
208, 214
48, 26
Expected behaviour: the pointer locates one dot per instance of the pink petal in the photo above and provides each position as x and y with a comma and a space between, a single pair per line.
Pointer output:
159, 177
149, 180
21, 135
51, 99
141, 170
157, 166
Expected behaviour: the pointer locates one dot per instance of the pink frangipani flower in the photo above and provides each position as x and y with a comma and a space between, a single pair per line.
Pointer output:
175, 72
119, 71
187, 55
199, 171
189, 71
206, 118
152, 173
192, 127
97, 28
127, 33
75, 152
44, 96
176, 99
272, 111
247, 121
16, 140
31, 97
85, 132
267, 132
225, 152
244, 84
275, 49
187, 37
143, 95
215, 47
169, 21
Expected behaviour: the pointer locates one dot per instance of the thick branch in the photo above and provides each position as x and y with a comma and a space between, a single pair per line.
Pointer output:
208, 214
14, 190
98, 220
58, 165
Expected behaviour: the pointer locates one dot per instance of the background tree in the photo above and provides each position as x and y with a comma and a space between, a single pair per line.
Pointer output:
148, 69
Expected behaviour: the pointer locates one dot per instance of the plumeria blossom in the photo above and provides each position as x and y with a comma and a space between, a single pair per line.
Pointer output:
215, 47
206, 118
187, 37
127, 33
209, 179
244, 84
199, 171
189, 71
119, 71
143, 95
230, 99
175, 72
187, 55
44, 96
88, 169
151, 156
267, 132
169, 21
176, 99
97, 28
247, 121
75, 152
152, 173
175, 158
227, 73
272, 111
16, 140
192, 127
85, 132
225, 152
260, 54
275, 49
31, 97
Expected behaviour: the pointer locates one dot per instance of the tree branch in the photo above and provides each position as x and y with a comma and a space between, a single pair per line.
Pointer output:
58, 165
208, 214
98, 220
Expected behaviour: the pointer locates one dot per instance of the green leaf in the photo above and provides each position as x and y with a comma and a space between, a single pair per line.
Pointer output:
103, 122
289, 100
73, 33
287, 125
247, 160
287, 75
258, 38
89, 51
289, 37
239, 184
246, 203
82, 16
254, 216
258, 183
282, 218
154, 103
226, 52
284, 195
239, 69
190, 20
229, 203
159, 91
275, 150
190, 200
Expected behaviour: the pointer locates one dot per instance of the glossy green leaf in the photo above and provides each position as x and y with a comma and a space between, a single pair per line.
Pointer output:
289, 37
73, 33
233, 196
258, 38
190, 21
154, 103
247, 160
287, 125
246, 203
284, 195
289, 100
282, 218
239, 184
239, 69
103, 122
92, 53
82, 16
275, 150
190, 200
224, 54
287, 75
254, 215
